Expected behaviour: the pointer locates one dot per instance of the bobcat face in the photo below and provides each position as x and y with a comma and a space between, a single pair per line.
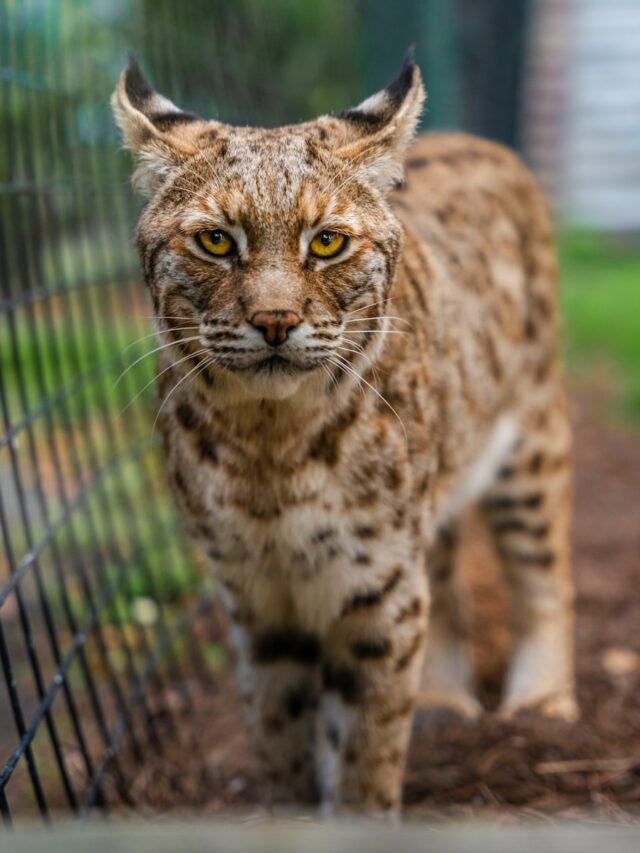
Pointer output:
264, 249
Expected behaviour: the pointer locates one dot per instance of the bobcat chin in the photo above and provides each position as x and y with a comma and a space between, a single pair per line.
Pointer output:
357, 338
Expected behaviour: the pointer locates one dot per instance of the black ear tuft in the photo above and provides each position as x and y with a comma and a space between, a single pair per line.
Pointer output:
161, 112
380, 108
136, 86
398, 88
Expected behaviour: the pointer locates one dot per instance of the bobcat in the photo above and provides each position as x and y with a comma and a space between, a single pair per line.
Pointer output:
347, 360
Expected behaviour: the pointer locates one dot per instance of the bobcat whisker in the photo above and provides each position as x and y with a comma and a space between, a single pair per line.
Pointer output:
156, 376
160, 317
332, 379
198, 366
157, 332
370, 305
359, 350
349, 368
151, 352
379, 317
376, 332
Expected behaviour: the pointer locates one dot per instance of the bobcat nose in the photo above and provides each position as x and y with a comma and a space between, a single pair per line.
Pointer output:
275, 325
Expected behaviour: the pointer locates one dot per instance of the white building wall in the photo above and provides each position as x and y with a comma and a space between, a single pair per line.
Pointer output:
582, 109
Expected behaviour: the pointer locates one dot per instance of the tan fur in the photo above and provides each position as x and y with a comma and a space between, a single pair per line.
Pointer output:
424, 375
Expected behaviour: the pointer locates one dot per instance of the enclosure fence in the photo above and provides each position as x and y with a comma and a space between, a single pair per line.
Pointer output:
98, 597
106, 623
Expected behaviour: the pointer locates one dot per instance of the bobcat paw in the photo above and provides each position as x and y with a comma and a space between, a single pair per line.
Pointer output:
560, 706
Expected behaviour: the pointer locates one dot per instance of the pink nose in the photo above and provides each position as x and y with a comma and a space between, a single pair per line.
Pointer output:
275, 325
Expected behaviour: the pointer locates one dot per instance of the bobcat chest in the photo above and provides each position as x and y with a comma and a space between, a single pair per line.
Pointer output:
292, 549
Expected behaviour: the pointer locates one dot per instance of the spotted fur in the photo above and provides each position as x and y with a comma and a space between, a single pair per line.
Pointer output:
320, 479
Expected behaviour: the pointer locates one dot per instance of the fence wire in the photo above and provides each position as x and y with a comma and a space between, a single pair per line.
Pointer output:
98, 591
101, 609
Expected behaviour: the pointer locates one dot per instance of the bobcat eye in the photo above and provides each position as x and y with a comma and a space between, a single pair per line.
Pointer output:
216, 242
327, 244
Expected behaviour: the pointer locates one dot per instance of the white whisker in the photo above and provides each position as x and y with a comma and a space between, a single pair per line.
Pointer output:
376, 332
151, 352
153, 334
160, 317
380, 317
370, 305
158, 375
347, 366
166, 399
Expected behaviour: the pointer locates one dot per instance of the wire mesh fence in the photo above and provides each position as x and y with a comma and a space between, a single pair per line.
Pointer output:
105, 622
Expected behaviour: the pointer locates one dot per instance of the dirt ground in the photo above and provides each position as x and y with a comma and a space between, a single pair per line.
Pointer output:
510, 771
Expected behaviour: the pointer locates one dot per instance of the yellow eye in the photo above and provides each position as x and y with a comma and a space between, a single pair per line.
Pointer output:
216, 242
327, 244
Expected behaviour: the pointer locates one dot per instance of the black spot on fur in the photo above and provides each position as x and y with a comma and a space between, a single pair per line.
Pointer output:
363, 559
530, 329
373, 647
518, 525
503, 503
207, 450
535, 465
344, 680
271, 646
207, 378
365, 531
323, 535
414, 647
350, 756
533, 501
179, 480
297, 701
409, 611
186, 416
372, 597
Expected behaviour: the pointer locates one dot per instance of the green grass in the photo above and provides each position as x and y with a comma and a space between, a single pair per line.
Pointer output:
600, 289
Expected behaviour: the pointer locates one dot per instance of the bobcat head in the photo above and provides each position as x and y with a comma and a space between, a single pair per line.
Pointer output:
268, 251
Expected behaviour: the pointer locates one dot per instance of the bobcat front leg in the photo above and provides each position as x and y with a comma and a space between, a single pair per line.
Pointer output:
371, 674
279, 680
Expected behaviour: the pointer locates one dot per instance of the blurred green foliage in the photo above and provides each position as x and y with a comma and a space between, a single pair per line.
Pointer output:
600, 288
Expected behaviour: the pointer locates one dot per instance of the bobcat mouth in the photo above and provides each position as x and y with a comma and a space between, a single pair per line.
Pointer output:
280, 365
275, 364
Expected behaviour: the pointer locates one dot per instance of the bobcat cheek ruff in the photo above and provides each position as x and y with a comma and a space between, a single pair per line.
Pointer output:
354, 367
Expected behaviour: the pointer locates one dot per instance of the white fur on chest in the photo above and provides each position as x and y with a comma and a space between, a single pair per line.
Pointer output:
300, 567
482, 472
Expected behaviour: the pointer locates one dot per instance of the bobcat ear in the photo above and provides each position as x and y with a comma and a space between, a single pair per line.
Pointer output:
154, 128
378, 131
